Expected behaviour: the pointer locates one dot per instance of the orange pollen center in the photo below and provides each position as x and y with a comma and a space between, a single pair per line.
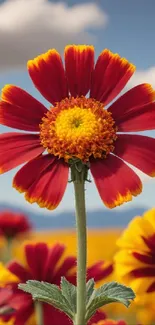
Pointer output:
78, 128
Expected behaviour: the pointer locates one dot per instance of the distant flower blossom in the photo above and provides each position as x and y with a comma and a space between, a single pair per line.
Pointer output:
78, 128
13, 224
46, 264
135, 262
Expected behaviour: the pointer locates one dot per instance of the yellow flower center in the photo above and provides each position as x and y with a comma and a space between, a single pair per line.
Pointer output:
78, 128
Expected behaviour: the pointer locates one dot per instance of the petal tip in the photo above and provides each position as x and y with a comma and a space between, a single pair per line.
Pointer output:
149, 89
2, 171
42, 203
18, 188
79, 48
152, 174
42, 57
124, 198
117, 57
5, 90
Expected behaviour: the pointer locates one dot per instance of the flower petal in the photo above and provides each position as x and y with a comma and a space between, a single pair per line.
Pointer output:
20, 271
55, 255
79, 63
48, 75
134, 111
20, 110
66, 267
115, 181
36, 255
47, 184
99, 271
22, 304
17, 148
110, 76
5, 294
98, 316
57, 317
138, 151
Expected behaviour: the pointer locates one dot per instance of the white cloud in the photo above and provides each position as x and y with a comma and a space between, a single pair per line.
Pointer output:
30, 27
143, 76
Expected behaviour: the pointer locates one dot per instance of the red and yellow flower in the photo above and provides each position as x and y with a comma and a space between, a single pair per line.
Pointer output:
77, 127
135, 262
45, 264
13, 224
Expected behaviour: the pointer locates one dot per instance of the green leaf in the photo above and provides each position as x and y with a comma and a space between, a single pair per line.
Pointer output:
89, 289
48, 293
69, 292
108, 293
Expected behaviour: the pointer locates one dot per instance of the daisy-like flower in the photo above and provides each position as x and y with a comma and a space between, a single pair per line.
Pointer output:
46, 264
13, 224
77, 127
135, 262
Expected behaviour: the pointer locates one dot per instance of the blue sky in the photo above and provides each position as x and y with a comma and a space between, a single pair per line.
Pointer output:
130, 32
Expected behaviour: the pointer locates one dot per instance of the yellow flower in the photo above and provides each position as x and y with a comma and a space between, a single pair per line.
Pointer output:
135, 262
145, 309
6, 276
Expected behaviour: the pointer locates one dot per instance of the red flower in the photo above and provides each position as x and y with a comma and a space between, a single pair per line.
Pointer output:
12, 224
47, 264
78, 127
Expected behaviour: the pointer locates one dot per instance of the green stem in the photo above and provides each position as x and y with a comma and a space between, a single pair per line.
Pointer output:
39, 313
81, 247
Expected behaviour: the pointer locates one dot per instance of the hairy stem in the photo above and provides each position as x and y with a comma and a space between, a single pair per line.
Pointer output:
39, 313
79, 183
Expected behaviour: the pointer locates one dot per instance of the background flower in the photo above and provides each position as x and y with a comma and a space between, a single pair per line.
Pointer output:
13, 224
46, 264
135, 262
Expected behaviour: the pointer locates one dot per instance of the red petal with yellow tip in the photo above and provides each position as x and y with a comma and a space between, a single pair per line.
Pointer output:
47, 184
79, 63
48, 76
18, 148
134, 111
20, 110
110, 76
115, 181
138, 151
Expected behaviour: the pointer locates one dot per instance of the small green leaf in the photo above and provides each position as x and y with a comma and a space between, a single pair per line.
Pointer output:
69, 292
89, 289
48, 293
108, 293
